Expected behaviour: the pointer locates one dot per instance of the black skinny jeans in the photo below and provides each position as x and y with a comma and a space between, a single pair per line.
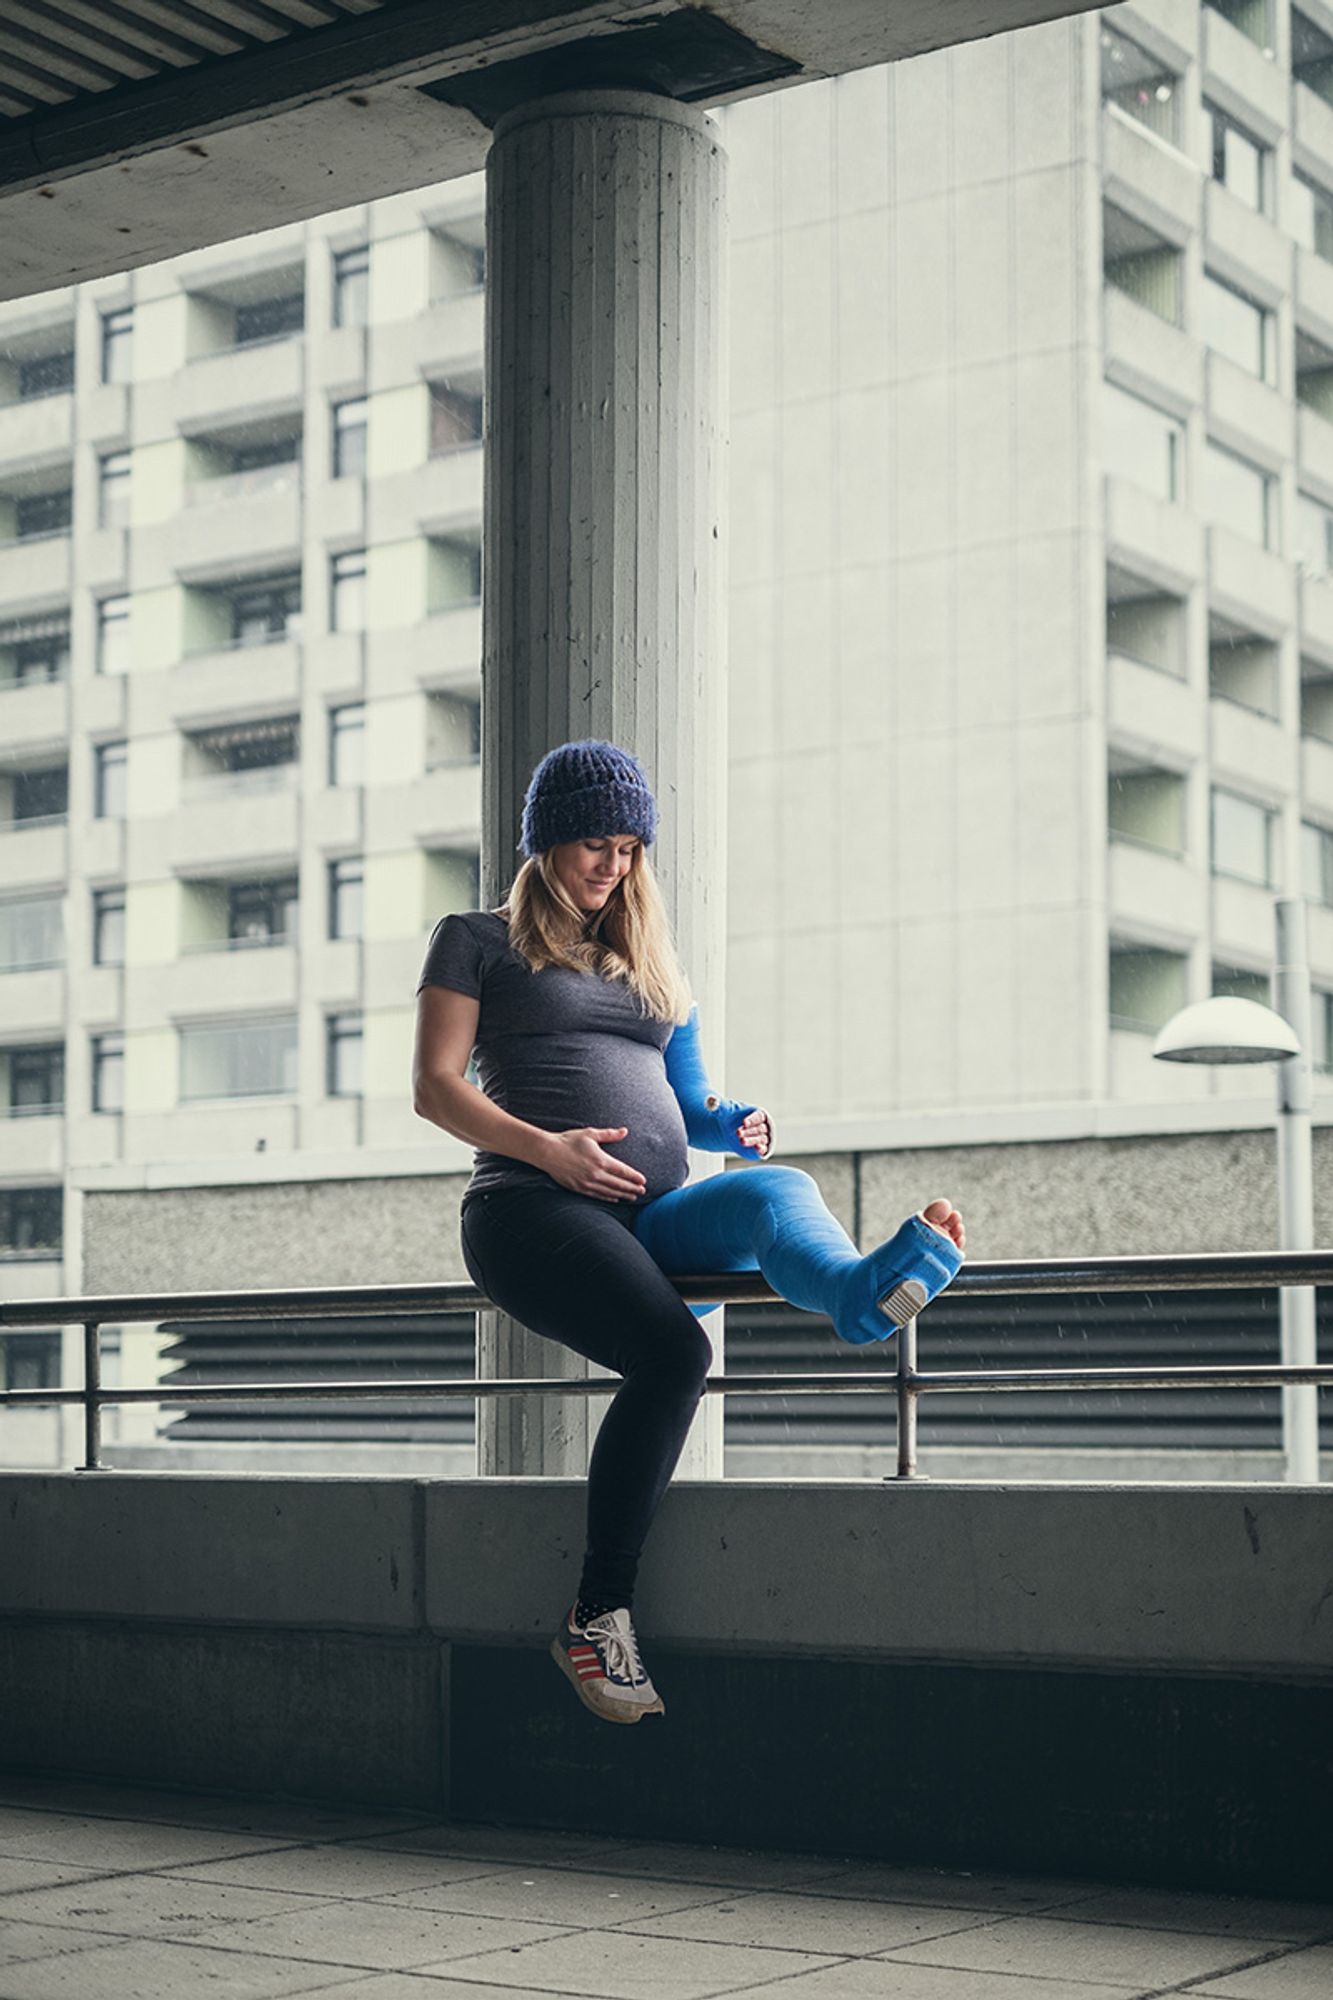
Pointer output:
570, 1267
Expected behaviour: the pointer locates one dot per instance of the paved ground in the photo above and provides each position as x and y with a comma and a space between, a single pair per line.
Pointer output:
108, 1894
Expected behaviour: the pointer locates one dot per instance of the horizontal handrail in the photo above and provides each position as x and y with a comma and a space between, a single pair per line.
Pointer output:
1183, 1271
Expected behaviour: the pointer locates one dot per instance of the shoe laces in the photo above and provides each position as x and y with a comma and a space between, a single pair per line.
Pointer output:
621, 1647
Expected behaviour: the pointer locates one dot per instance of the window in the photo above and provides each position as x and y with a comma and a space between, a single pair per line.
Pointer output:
39, 795
349, 438
1140, 85
30, 1361
108, 1068
1234, 982
1240, 162
109, 926
46, 375
1144, 624
454, 575
117, 345
458, 259
343, 1073
262, 453
1316, 700
38, 514
351, 286
346, 888
1314, 536
1311, 212
1249, 16
1142, 264
110, 775
262, 913
1244, 839
1145, 804
1143, 445
1314, 374
1242, 667
264, 613
229, 753
347, 592
34, 650
270, 319
1146, 986
1237, 326
32, 934
113, 635
238, 1059
455, 418
36, 1081
1317, 863
1237, 495
30, 1222
453, 730
347, 736
113, 489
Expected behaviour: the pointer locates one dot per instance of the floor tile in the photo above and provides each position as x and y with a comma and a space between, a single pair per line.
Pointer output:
423, 1986
562, 1896
386, 1937
616, 1965
811, 1923
154, 1969
1301, 1975
978, 1889
339, 1871
1057, 1949
879, 1979
148, 1905
731, 1867
1183, 1910
24, 1941
294, 1819
498, 1843
116, 1843
19, 1874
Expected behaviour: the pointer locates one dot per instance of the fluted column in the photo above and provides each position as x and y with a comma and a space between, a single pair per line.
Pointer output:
603, 611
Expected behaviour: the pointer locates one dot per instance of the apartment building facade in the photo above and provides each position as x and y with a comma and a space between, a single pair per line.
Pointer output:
1031, 669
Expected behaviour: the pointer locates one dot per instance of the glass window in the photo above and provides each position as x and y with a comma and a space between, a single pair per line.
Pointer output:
1244, 842
344, 1055
30, 1361
34, 650
349, 438
109, 926
455, 418
263, 913
37, 514
1321, 1030
1237, 495
1147, 805
1238, 327
46, 375
346, 888
39, 795
108, 1073
110, 775
113, 489
1143, 445
32, 933
1241, 162
31, 1222
238, 1059
1234, 982
347, 736
351, 286
1140, 85
1311, 211
1147, 986
454, 576
118, 345
270, 319
1314, 536
264, 613
113, 635
347, 595
36, 1081
1317, 862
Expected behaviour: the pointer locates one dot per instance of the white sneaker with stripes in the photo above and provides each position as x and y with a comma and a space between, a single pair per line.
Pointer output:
602, 1661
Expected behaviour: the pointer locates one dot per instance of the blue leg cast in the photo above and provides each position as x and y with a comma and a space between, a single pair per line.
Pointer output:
773, 1219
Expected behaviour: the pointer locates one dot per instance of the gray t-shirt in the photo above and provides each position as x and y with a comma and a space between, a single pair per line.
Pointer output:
560, 1049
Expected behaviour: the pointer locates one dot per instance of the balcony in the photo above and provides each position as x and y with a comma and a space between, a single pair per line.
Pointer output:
1245, 247
37, 713
448, 489
1242, 918
1240, 78
228, 977
1148, 178
236, 680
445, 805
1317, 773
249, 818
35, 571
31, 999
1149, 357
33, 852
32, 1146
442, 651
1161, 543
1249, 584
1315, 597
333, 817
1314, 294
1314, 445
1148, 886
1252, 748
449, 336
41, 428
1311, 131
232, 1129
1246, 414
240, 381
1150, 708
244, 520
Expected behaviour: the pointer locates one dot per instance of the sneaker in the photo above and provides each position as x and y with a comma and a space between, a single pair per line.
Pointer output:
602, 1660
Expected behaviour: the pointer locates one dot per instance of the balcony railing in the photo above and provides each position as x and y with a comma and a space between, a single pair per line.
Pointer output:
280, 478
222, 784
1246, 1270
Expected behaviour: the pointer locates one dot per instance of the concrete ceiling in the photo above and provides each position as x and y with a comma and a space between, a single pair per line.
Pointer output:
132, 130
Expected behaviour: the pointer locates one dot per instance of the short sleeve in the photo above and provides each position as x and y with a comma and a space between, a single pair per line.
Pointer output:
454, 958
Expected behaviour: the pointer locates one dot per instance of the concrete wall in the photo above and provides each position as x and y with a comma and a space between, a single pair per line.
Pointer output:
926, 1672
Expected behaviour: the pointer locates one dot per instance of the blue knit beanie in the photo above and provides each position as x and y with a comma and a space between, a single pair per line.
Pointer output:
581, 790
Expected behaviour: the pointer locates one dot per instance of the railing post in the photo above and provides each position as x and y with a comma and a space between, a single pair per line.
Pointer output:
907, 1398
92, 1398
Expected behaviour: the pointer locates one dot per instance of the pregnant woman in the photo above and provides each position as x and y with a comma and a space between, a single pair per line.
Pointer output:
593, 1088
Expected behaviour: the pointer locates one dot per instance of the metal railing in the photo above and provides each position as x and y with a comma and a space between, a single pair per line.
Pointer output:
1246, 1270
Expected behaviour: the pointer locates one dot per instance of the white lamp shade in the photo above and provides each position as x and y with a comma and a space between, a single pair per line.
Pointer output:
1226, 1031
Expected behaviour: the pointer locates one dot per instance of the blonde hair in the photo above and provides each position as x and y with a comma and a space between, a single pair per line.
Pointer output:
628, 939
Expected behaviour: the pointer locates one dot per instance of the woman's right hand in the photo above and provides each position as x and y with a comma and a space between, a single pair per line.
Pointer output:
577, 1161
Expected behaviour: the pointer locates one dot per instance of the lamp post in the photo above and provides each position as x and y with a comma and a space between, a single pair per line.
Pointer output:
1242, 1031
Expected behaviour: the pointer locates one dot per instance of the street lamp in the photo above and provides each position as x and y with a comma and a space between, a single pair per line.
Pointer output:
1241, 1031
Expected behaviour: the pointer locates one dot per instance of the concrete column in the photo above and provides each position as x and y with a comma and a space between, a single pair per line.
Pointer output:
603, 611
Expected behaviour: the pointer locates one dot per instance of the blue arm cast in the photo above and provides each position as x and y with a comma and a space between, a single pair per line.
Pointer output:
711, 1122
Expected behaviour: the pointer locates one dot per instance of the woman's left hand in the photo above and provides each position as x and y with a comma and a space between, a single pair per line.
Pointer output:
756, 1130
